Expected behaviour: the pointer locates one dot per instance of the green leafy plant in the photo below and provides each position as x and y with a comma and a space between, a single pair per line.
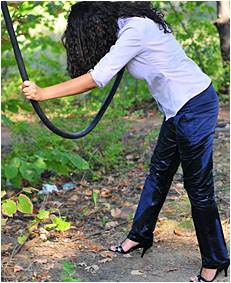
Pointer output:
17, 168
95, 196
18, 202
29, 166
85, 210
104, 221
21, 202
130, 218
58, 223
69, 272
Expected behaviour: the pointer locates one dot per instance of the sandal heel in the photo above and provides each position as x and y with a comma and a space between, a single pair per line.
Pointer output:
226, 271
144, 250
225, 268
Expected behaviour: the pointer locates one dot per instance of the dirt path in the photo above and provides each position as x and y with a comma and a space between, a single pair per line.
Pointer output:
174, 256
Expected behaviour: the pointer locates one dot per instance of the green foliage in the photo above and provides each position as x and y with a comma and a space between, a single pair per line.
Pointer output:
192, 22
43, 214
85, 210
130, 218
104, 222
28, 18
38, 149
58, 223
9, 207
22, 239
37, 157
24, 204
19, 201
69, 272
95, 196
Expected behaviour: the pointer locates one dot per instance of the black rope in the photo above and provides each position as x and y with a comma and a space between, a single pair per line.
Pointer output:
35, 104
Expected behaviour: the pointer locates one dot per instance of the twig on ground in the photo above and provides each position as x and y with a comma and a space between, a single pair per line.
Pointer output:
4, 272
16, 249
95, 233
144, 158
220, 198
46, 197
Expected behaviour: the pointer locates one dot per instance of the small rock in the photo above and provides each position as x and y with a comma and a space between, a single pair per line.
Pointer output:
111, 224
116, 212
43, 237
82, 264
43, 231
104, 260
93, 268
137, 272
179, 186
127, 255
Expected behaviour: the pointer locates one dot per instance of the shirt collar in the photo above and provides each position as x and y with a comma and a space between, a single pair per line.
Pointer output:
121, 23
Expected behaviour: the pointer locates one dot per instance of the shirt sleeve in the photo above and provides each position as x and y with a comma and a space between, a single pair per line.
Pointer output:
127, 46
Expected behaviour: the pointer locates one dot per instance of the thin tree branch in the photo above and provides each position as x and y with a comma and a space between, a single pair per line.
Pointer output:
189, 35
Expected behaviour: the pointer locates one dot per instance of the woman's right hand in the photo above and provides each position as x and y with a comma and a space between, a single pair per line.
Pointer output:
32, 91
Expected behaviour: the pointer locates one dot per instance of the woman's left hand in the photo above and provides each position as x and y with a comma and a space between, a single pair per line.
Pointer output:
32, 91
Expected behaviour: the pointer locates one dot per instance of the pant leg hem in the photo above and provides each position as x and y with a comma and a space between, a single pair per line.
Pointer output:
216, 265
139, 239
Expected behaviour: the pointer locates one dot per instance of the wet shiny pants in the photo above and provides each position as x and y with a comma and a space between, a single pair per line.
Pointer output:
186, 138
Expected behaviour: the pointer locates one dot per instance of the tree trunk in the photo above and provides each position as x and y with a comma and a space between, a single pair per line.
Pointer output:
222, 24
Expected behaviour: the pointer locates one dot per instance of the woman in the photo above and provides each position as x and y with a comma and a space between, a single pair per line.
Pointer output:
103, 37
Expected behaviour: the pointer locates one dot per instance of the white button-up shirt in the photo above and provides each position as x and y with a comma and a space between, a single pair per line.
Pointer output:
154, 56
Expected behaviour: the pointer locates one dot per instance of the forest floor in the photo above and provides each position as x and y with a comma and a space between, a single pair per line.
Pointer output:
174, 256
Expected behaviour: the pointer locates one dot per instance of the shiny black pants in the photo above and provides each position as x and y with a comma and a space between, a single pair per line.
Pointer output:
186, 138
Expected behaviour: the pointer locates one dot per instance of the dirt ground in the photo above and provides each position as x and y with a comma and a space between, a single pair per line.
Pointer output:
174, 256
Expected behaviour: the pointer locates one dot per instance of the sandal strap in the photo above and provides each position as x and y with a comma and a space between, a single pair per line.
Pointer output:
201, 278
119, 249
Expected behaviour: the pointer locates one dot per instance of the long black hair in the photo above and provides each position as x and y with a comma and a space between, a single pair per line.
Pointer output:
92, 30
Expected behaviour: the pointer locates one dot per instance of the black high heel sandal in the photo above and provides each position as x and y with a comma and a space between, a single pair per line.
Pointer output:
119, 249
202, 279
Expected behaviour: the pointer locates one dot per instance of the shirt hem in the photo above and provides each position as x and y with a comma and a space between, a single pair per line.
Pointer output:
167, 117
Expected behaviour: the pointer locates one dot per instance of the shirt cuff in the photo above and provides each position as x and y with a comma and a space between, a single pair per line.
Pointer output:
101, 79
94, 77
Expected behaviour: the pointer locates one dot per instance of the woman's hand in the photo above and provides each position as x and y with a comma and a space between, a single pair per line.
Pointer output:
32, 91
75, 86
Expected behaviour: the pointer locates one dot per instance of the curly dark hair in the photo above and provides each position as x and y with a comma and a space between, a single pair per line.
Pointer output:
92, 30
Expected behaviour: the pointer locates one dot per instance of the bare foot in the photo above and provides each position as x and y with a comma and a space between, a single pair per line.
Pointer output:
126, 245
206, 273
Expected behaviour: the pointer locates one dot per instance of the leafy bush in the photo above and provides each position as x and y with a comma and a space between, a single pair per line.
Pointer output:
37, 149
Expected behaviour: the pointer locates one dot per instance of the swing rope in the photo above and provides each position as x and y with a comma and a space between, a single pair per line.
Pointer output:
35, 104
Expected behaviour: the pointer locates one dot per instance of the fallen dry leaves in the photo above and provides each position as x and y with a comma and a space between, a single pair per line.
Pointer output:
180, 233
106, 254
5, 247
116, 212
18, 268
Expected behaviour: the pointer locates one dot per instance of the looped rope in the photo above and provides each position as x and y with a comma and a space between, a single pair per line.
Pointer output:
35, 104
